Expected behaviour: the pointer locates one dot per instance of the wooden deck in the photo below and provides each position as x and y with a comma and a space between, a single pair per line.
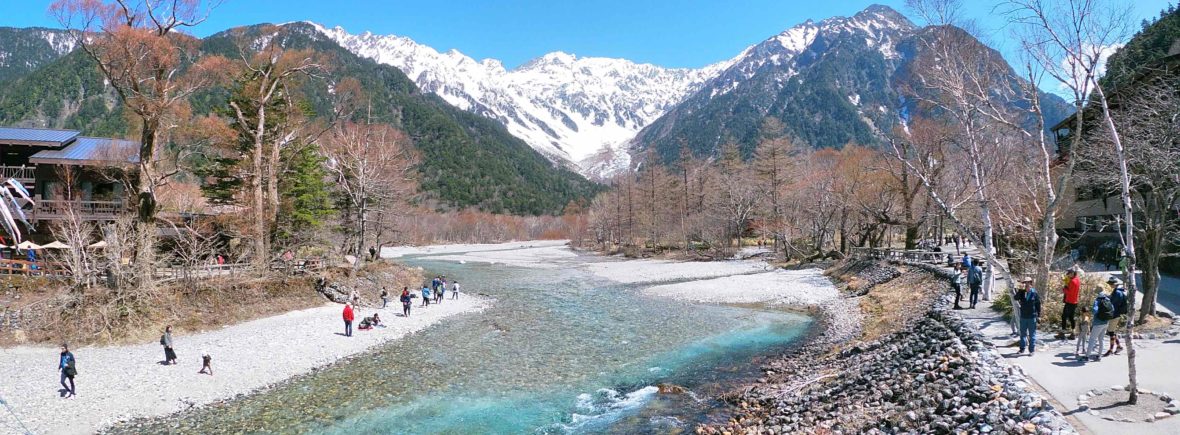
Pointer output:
86, 210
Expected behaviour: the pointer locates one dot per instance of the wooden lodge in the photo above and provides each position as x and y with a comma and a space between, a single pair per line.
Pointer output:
63, 170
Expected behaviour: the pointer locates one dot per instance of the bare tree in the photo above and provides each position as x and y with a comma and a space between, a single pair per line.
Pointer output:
375, 168
153, 67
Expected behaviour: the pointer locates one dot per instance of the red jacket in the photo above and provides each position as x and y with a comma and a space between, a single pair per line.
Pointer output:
1072, 290
348, 313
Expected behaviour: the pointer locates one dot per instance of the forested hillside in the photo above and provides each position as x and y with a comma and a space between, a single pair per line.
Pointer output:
467, 160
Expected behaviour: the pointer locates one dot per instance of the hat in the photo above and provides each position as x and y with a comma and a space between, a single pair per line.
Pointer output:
1113, 280
1026, 279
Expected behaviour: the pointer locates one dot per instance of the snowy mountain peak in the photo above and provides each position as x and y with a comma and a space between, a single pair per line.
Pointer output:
567, 107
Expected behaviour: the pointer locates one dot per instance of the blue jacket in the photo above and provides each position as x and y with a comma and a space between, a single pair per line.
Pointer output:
65, 360
966, 262
425, 292
1094, 309
1118, 298
1030, 304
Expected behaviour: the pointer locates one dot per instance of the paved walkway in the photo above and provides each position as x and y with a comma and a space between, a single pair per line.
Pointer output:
1064, 379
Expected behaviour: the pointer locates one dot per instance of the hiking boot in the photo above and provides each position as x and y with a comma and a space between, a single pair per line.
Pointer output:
1095, 358
1060, 336
1108, 353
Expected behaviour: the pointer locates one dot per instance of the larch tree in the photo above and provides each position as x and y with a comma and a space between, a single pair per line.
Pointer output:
153, 67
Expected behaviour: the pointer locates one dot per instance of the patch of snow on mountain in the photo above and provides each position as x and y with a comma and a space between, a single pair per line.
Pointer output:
567, 107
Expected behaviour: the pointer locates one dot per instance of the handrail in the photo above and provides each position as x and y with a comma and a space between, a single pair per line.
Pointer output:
18, 172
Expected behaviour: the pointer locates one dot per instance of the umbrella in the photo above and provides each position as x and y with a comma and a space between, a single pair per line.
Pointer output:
28, 245
98, 245
56, 245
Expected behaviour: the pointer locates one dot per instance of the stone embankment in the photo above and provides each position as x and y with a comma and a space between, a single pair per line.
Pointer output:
936, 374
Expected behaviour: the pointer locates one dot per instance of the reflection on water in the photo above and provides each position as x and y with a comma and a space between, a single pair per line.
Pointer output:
560, 351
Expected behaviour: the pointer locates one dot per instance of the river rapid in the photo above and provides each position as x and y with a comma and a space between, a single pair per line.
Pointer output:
561, 350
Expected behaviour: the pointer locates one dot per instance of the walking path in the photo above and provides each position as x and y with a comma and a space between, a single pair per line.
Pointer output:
1057, 373
119, 382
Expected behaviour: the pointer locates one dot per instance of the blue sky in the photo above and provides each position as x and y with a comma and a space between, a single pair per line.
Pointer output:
685, 33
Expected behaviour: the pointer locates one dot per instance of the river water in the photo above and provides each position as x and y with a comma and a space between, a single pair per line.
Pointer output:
560, 351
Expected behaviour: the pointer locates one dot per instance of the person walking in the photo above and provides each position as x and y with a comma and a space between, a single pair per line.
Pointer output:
957, 285
206, 364
1030, 311
1103, 311
68, 368
455, 290
975, 281
384, 297
166, 341
425, 296
407, 301
348, 320
1118, 297
1071, 291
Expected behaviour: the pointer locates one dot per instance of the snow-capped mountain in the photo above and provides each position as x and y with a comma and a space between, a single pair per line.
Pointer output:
833, 82
567, 107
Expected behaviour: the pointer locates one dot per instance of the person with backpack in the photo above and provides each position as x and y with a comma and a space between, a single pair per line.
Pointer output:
384, 297
957, 286
1118, 298
166, 341
441, 290
1030, 311
407, 301
425, 296
68, 368
455, 290
348, 316
966, 262
1071, 291
975, 281
1103, 311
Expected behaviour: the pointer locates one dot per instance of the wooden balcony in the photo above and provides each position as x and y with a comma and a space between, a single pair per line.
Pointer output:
24, 174
86, 210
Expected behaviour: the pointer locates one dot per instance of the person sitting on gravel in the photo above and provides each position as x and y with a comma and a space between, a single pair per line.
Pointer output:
1103, 311
1030, 311
1118, 297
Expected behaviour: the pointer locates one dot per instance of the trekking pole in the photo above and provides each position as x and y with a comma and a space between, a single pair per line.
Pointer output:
15, 417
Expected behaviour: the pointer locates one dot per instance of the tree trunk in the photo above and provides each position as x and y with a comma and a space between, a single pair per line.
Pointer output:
1128, 243
261, 253
145, 228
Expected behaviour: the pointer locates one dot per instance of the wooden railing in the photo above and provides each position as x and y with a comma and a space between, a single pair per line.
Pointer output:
24, 174
915, 256
23, 267
51, 209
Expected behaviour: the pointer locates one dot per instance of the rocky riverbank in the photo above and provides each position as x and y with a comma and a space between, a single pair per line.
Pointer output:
934, 374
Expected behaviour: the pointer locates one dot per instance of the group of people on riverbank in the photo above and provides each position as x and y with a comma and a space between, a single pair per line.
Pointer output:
1103, 318
432, 292
67, 366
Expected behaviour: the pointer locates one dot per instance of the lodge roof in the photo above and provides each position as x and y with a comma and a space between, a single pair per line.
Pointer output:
37, 136
90, 151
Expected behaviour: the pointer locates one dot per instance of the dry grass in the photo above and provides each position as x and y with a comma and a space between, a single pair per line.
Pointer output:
92, 316
890, 305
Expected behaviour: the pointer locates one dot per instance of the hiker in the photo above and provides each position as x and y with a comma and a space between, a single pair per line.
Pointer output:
1071, 290
1030, 311
348, 320
1118, 297
455, 290
425, 296
206, 364
957, 250
384, 297
68, 368
1103, 312
441, 291
354, 297
966, 261
372, 253
975, 281
1083, 337
957, 285
407, 301
166, 341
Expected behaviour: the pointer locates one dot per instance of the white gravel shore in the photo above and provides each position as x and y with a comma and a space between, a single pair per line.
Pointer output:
119, 382
794, 287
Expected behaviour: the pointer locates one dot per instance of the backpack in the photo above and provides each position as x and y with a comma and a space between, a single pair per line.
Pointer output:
1119, 299
1105, 309
975, 276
